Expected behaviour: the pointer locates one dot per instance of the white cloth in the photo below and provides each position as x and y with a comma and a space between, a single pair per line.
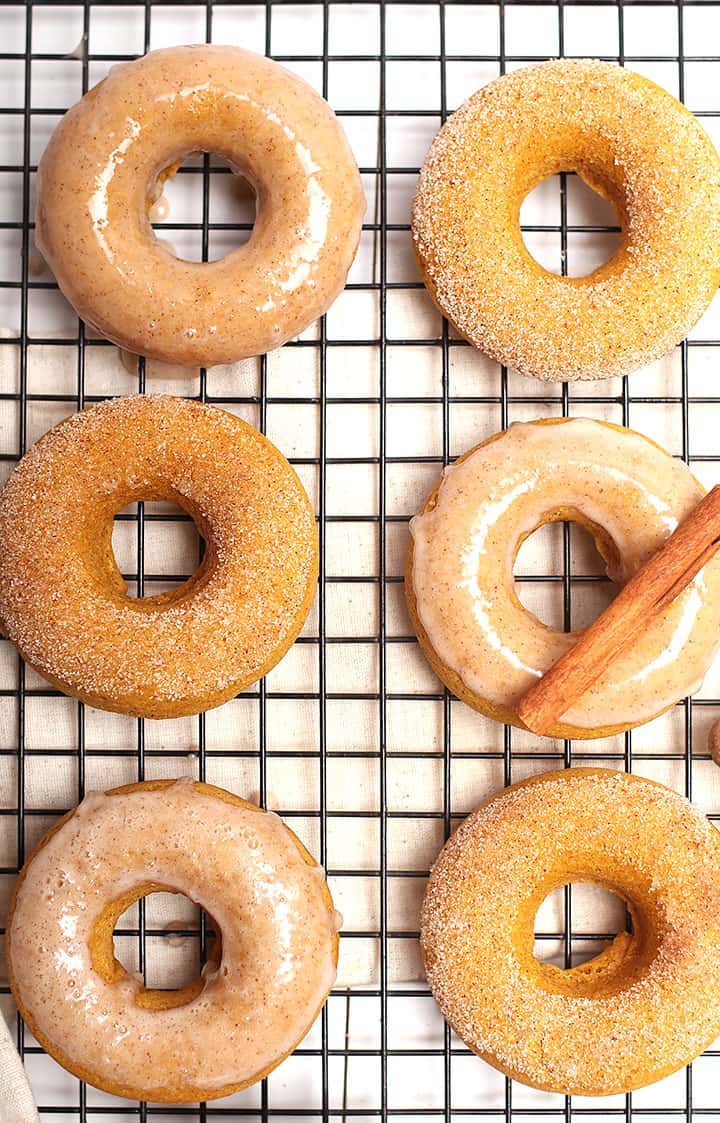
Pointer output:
16, 1102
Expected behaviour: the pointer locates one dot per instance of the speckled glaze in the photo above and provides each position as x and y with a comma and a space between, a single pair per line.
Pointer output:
631, 494
64, 603
635, 145
649, 1002
249, 1008
99, 176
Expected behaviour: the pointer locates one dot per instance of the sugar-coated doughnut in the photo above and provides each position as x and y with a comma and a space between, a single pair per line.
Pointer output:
484, 645
647, 1004
636, 146
64, 603
101, 171
268, 975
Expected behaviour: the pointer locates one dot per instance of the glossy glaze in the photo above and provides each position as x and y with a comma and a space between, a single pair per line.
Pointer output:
99, 176
243, 867
464, 550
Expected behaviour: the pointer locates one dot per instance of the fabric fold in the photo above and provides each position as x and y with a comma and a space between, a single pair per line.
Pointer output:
16, 1102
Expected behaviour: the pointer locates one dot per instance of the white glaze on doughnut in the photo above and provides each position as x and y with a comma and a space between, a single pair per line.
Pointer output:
464, 551
106, 161
160, 210
242, 866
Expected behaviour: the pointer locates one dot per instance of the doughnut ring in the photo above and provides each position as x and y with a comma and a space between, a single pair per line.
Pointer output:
104, 166
268, 974
609, 1025
482, 643
633, 144
64, 603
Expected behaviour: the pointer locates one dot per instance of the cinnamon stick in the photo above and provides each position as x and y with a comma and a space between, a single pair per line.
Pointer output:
695, 541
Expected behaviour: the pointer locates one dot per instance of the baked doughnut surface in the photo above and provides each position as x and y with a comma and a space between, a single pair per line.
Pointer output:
260, 990
101, 171
484, 645
64, 603
646, 1005
633, 144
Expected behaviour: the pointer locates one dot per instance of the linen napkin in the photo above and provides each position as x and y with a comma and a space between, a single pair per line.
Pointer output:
16, 1102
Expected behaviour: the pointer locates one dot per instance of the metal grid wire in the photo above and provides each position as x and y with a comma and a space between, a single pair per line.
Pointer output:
387, 1059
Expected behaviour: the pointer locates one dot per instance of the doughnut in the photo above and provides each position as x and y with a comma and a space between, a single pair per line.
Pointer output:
649, 1003
482, 643
634, 145
64, 603
104, 168
268, 974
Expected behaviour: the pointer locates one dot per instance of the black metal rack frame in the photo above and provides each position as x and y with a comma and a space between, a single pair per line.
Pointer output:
562, 401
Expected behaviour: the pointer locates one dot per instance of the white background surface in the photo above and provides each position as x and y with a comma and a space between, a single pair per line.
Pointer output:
401, 390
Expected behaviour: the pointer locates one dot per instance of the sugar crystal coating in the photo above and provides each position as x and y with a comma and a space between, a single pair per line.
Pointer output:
635, 145
643, 1008
63, 601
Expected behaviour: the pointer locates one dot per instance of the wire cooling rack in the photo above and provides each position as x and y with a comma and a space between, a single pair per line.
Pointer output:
351, 738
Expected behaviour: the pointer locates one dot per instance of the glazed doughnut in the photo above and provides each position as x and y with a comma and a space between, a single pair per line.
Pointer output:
258, 994
63, 602
484, 645
633, 144
614, 1023
102, 171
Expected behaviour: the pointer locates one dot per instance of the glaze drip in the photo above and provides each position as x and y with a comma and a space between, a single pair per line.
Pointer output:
464, 548
243, 867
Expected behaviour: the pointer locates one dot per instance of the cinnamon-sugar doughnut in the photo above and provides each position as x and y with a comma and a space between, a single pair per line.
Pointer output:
63, 601
633, 144
482, 643
100, 173
649, 1002
267, 976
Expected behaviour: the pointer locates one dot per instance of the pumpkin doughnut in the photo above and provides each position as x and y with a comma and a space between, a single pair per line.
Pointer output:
647, 1004
266, 979
484, 645
104, 167
633, 144
63, 602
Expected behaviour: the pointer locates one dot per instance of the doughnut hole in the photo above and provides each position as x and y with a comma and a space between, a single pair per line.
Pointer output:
592, 226
172, 548
539, 565
176, 930
176, 208
610, 940
582, 917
